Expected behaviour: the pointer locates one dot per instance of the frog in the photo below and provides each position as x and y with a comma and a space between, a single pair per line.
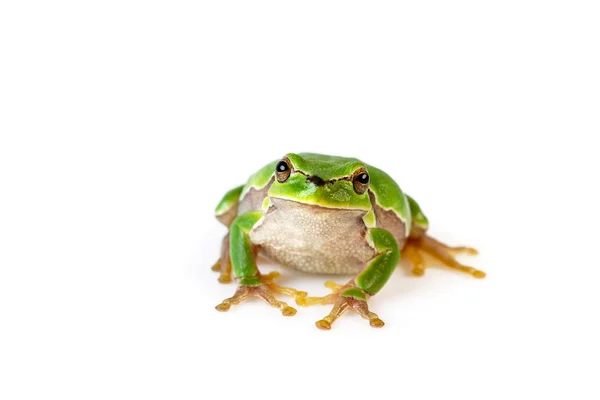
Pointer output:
327, 215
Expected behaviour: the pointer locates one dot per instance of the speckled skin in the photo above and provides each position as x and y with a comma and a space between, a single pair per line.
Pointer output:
314, 239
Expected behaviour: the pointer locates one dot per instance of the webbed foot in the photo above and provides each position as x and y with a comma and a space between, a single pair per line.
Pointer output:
418, 248
223, 264
343, 298
262, 287
224, 272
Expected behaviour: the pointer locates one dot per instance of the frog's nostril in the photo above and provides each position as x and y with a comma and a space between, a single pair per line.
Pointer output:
316, 180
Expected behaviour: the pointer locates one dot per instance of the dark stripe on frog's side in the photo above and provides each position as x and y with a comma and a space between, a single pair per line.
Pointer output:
388, 220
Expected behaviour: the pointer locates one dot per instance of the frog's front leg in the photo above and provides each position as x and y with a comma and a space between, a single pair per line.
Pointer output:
368, 282
243, 261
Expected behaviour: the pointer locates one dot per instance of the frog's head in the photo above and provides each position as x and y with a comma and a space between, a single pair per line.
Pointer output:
326, 181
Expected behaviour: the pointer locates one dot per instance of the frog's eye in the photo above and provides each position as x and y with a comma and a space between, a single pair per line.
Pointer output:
283, 169
360, 180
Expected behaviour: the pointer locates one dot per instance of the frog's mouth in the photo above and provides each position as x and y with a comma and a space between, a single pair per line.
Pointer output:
296, 206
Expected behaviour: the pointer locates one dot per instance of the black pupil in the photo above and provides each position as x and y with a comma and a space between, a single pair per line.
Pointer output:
363, 178
282, 166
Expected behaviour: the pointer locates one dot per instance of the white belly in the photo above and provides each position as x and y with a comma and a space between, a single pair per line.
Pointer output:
314, 239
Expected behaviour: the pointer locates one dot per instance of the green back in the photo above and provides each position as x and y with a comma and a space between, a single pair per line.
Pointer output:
388, 194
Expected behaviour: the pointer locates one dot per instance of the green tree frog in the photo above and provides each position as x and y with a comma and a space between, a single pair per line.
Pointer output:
324, 215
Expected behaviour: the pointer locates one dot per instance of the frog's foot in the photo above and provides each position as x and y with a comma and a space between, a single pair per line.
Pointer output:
343, 298
223, 264
224, 270
271, 276
262, 287
345, 303
329, 299
417, 247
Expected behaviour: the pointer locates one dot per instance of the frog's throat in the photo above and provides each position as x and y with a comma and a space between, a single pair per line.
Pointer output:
314, 238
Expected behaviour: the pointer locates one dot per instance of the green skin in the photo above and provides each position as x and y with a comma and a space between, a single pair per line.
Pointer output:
338, 193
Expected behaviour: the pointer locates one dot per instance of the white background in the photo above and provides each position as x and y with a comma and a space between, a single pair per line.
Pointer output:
122, 123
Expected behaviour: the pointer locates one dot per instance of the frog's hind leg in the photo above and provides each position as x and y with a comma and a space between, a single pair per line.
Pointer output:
329, 299
423, 251
223, 264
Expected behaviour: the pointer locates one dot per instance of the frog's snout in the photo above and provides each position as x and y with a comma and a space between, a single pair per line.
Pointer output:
316, 180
